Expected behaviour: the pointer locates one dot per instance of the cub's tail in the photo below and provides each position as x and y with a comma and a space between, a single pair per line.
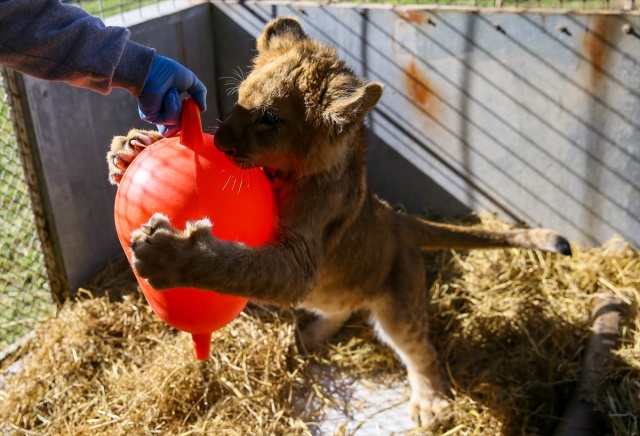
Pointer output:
435, 236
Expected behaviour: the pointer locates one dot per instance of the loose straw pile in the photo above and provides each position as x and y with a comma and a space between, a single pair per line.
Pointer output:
510, 327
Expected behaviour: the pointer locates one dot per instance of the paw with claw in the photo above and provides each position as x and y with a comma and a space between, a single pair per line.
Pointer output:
124, 150
167, 257
423, 409
427, 394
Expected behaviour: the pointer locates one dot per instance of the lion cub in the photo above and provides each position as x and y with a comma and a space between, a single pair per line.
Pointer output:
300, 117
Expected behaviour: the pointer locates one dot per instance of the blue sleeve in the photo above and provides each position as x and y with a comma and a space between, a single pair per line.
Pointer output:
58, 42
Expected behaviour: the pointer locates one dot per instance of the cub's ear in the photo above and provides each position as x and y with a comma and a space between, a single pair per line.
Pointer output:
279, 33
351, 105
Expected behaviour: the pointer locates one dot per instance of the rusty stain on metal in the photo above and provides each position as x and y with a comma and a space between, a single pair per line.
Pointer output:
595, 46
418, 86
416, 17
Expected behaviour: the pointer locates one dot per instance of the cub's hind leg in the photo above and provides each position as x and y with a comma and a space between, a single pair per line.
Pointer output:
403, 324
318, 332
124, 150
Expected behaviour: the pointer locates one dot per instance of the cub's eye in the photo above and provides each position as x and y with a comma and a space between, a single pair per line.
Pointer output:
269, 118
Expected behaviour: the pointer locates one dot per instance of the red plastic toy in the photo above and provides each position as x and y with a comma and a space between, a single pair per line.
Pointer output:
187, 178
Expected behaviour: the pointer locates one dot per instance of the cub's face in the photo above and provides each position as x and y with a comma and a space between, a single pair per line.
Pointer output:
296, 108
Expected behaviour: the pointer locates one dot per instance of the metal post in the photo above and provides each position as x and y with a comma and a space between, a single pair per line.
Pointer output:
29, 157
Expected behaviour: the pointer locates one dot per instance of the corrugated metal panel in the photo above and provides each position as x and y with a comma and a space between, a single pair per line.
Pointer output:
535, 115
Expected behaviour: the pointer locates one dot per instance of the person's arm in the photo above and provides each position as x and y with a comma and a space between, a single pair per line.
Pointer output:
58, 42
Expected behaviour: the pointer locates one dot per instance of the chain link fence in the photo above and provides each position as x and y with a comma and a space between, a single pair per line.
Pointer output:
32, 283
107, 8
25, 296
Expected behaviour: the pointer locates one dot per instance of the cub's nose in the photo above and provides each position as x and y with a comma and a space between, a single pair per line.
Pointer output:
229, 150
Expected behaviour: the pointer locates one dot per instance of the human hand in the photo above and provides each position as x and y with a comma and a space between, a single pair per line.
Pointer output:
159, 102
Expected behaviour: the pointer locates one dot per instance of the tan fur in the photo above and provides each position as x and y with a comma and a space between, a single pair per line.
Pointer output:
339, 248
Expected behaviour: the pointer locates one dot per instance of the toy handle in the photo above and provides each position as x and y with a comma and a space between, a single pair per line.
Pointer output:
191, 135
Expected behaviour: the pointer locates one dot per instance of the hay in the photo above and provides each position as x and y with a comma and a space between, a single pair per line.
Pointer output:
510, 327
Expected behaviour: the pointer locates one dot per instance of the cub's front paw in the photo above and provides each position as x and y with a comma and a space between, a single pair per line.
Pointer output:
124, 150
166, 256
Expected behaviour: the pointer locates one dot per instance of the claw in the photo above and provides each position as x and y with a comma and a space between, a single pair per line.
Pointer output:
203, 225
142, 235
115, 178
124, 149
121, 163
158, 221
424, 410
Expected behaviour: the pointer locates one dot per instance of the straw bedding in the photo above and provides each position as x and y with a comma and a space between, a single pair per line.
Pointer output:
510, 327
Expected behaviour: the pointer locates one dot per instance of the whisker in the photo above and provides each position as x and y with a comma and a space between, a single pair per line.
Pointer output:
242, 179
239, 73
228, 180
231, 84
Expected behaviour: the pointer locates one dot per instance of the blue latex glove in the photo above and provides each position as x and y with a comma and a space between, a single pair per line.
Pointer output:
159, 102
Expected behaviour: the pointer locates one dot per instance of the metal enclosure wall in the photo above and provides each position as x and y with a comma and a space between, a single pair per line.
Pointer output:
74, 128
534, 115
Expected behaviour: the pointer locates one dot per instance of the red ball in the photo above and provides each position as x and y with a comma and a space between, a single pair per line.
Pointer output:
187, 178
